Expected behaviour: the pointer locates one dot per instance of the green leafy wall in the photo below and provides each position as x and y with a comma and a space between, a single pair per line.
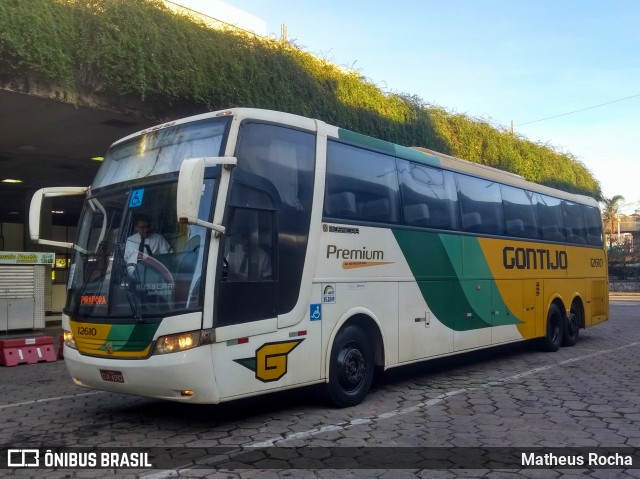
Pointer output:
142, 51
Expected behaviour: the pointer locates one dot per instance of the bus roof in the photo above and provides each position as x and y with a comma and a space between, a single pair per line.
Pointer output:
414, 153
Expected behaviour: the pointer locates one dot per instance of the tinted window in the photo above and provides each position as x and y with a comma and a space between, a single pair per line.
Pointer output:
551, 218
248, 290
428, 196
593, 225
574, 223
480, 205
361, 184
248, 246
275, 169
519, 213
277, 159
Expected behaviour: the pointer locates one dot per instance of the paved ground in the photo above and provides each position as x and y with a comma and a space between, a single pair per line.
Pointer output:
474, 409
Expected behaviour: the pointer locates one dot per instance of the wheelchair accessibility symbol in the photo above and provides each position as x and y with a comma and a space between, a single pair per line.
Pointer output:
315, 312
136, 198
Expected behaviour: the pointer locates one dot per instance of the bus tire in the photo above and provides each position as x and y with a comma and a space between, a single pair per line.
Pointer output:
571, 326
351, 367
553, 338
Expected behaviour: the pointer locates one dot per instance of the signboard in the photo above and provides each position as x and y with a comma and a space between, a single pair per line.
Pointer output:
20, 257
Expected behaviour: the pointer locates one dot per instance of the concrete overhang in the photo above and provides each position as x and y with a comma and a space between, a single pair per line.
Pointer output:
47, 142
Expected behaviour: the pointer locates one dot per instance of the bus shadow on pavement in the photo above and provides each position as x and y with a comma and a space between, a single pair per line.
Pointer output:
310, 399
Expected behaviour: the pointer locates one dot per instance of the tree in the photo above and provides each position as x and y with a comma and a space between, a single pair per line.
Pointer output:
610, 214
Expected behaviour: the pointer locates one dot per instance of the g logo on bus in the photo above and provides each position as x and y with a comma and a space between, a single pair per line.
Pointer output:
270, 361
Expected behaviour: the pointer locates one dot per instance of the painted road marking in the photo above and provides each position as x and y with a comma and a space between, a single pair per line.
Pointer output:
39, 401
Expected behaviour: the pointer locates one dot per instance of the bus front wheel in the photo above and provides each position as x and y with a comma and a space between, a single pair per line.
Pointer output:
351, 368
555, 321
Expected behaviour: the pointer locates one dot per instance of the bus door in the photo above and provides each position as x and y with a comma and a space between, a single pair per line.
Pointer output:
261, 260
248, 286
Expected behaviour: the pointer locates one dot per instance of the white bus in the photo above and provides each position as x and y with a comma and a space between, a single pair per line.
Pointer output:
283, 252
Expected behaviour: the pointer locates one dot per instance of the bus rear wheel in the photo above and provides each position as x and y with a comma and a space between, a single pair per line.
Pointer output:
571, 326
553, 339
351, 367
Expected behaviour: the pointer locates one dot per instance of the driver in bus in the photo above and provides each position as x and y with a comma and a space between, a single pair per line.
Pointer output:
239, 255
144, 242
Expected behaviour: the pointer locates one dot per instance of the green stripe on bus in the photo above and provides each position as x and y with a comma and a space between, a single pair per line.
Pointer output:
417, 156
131, 337
436, 263
367, 141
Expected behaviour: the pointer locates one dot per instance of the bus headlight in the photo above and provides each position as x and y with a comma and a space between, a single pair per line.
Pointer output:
177, 342
69, 341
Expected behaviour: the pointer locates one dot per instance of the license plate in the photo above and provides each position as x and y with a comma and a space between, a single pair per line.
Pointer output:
112, 376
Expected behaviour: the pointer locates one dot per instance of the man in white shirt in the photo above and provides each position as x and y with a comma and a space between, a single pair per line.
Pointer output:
238, 257
245, 259
144, 242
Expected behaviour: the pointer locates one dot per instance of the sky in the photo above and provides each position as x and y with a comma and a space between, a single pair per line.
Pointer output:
532, 63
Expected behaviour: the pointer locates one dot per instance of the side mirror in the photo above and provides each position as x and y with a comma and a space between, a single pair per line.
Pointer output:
189, 192
35, 211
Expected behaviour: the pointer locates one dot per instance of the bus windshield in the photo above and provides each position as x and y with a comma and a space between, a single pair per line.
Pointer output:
132, 258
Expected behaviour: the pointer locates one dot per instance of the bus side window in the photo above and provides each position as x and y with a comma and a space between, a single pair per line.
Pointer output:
551, 218
519, 213
361, 185
480, 205
428, 196
341, 205
593, 225
574, 222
